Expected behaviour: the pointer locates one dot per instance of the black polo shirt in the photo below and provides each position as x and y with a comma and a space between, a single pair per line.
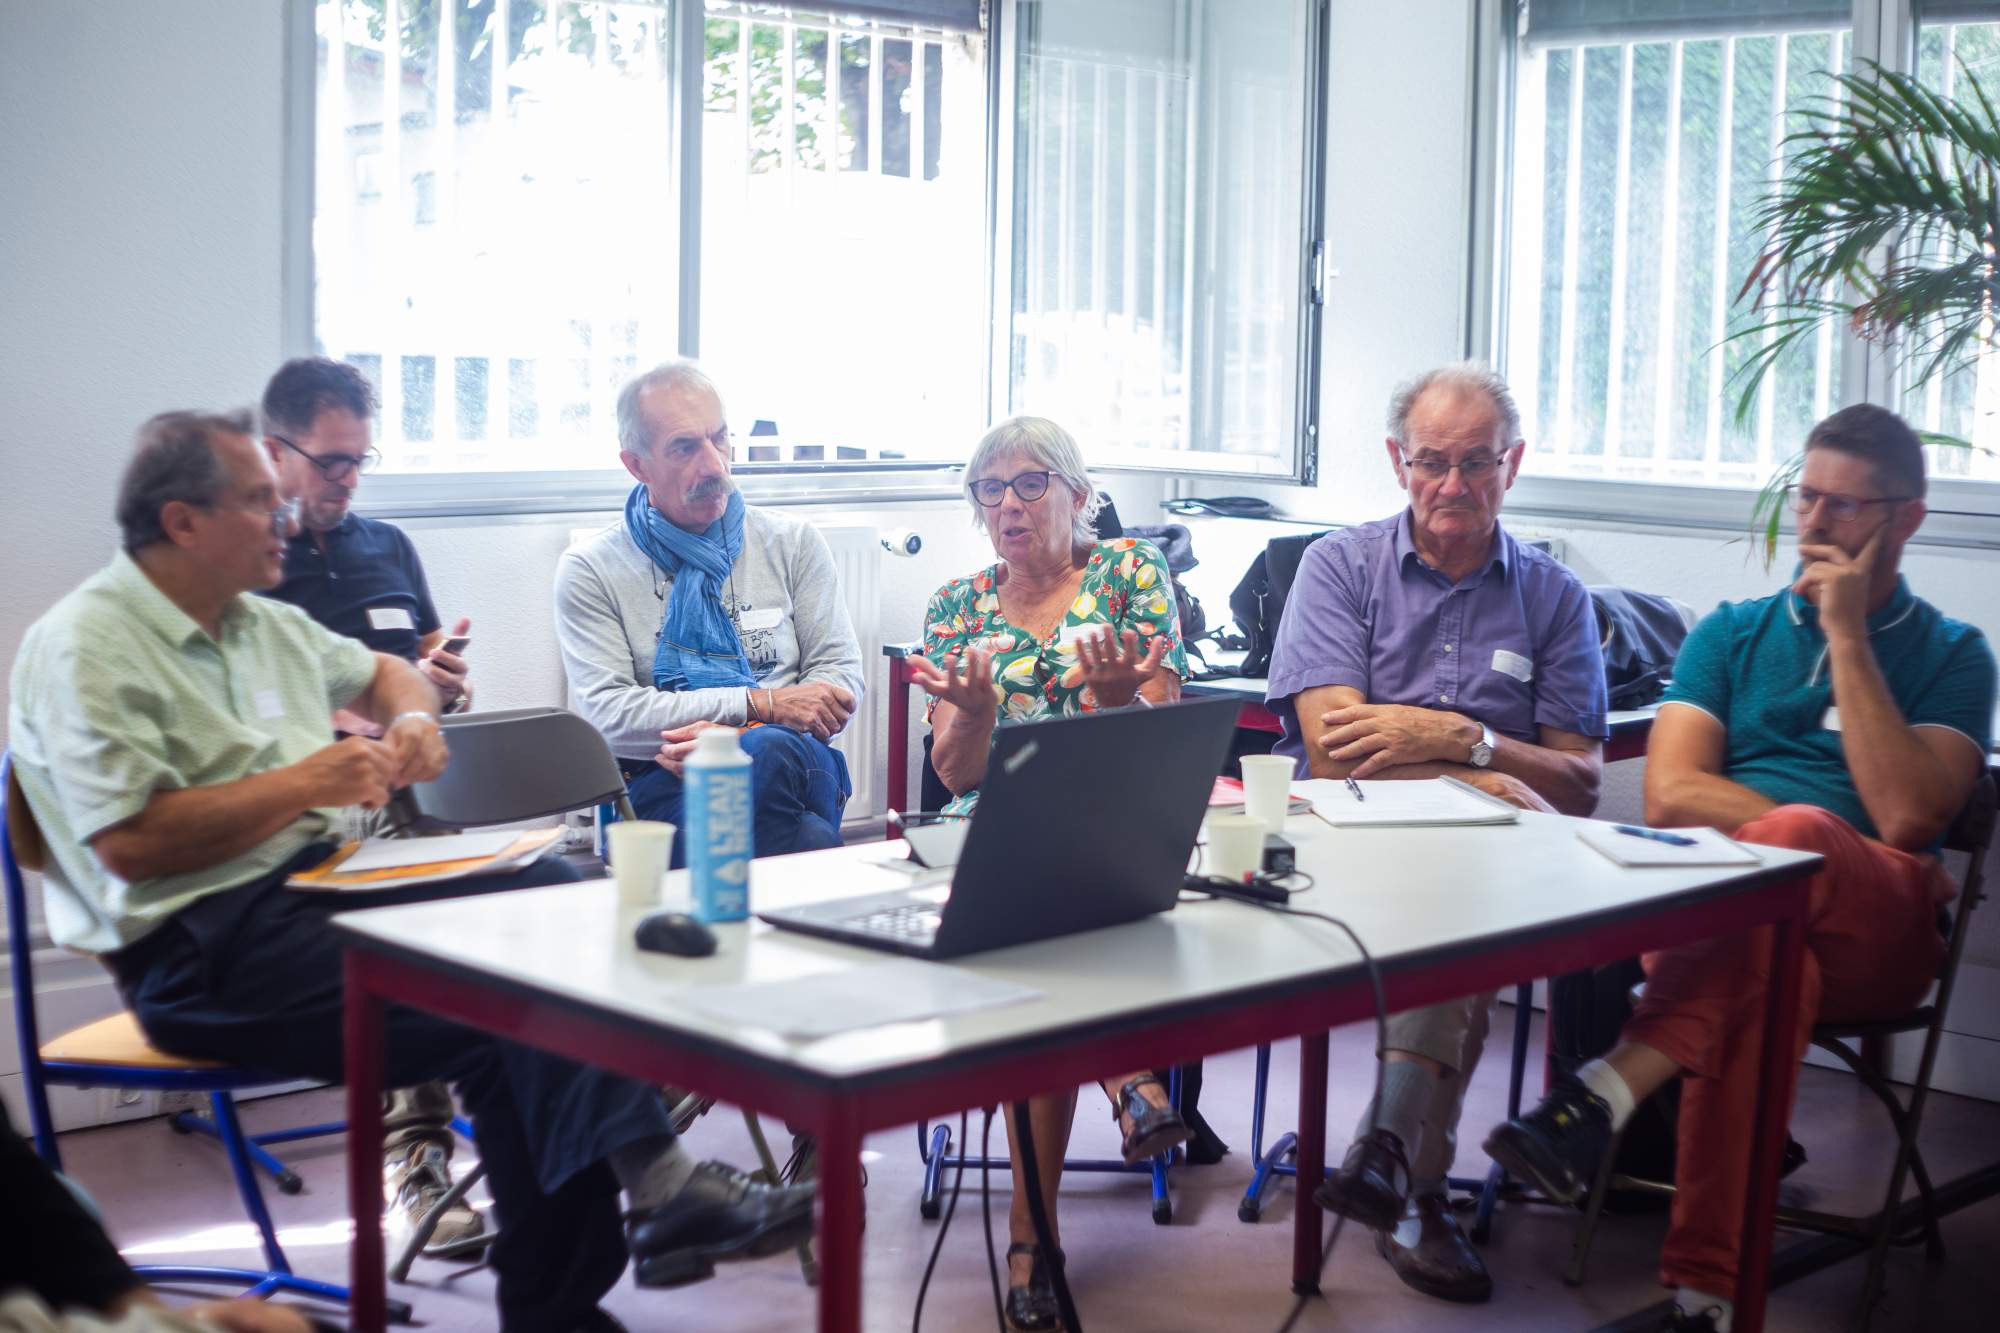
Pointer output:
368, 585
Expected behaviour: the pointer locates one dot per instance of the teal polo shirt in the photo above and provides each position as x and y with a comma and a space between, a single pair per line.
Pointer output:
1760, 669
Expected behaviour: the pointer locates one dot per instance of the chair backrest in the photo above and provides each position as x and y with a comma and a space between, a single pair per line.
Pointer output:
521, 764
1971, 833
21, 845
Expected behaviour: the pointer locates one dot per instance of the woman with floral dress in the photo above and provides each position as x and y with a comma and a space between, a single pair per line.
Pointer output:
1060, 624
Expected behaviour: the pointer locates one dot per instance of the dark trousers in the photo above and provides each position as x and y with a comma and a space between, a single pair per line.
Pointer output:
798, 788
252, 976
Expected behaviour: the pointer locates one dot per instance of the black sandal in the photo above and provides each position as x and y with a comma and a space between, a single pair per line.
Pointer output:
1033, 1308
1155, 1129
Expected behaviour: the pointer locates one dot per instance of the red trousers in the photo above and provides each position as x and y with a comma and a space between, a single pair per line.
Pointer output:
1872, 950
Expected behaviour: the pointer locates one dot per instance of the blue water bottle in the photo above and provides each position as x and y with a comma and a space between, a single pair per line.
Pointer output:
719, 835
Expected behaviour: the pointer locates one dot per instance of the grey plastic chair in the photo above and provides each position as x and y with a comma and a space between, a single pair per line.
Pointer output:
513, 765
1971, 833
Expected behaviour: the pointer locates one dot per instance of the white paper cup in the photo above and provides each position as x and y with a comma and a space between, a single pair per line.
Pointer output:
1235, 846
1267, 788
640, 849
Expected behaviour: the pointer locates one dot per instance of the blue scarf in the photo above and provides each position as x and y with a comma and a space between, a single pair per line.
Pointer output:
699, 647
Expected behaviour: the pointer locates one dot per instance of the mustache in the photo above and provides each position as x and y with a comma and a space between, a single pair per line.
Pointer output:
712, 489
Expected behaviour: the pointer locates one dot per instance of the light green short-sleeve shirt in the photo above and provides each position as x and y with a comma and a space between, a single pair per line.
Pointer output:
118, 694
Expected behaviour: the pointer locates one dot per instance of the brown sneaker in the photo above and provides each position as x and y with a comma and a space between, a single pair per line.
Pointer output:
417, 1182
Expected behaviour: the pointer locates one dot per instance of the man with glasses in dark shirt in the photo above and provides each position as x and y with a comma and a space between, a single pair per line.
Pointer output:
356, 576
360, 577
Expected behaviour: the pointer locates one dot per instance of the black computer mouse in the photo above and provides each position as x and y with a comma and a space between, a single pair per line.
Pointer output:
676, 933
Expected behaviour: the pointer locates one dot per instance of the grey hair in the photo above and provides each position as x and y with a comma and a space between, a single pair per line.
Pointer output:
175, 459
667, 375
1048, 445
1464, 377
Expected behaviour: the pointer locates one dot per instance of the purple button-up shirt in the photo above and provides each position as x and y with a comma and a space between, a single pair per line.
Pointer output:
1513, 644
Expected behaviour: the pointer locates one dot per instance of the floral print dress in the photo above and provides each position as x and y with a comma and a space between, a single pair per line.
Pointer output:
1125, 585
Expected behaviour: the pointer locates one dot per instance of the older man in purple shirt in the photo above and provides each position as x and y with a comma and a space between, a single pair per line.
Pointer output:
1426, 644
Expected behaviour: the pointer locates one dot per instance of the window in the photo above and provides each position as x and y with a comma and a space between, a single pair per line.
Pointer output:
496, 236
843, 234
1639, 151
1165, 202
1966, 404
493, 231
1636, 140
518, 203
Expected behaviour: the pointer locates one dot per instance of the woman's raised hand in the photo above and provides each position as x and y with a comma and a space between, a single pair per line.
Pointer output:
970, 691
1116, 669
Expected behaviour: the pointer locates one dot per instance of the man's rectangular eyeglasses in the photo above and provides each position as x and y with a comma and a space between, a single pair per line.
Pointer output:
1842, 508
1432, 468
335, 466
990, 491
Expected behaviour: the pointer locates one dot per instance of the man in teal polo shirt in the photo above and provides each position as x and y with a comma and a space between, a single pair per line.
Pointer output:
172, 736
1843, 716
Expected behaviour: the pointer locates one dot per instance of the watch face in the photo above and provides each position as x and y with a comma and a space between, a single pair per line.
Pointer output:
1482, 755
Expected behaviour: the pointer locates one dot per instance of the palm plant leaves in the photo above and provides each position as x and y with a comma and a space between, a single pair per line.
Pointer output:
1887, 220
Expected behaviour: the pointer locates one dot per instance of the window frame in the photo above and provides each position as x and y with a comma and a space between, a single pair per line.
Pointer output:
475, 494
1962, 512
1002, 65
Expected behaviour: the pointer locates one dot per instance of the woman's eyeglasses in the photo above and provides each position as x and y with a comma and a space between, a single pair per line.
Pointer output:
990, 491
335, 466
1841, 508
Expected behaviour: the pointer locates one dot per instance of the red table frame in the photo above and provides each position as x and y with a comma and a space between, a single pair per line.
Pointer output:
841, 1111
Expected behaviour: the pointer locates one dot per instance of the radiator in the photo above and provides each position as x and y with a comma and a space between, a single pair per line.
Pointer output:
857, 555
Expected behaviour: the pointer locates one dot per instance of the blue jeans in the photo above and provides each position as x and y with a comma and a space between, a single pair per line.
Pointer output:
798, 787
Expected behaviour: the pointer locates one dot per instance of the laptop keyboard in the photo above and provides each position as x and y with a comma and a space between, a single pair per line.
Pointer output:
906, 921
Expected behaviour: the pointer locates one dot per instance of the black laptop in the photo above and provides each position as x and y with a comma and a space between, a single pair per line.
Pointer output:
1082, 822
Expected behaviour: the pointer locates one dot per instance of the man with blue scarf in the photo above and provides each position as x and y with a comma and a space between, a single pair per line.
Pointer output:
700, 611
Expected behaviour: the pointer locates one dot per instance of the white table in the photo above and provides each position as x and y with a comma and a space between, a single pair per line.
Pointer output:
1447, 912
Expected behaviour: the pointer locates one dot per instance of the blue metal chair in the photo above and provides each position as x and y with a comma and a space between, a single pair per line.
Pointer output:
1282, 1158
934, 1147
114, 1053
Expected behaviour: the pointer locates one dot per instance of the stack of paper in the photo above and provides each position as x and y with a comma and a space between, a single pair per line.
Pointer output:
1397, 804
1705, 848
392, 863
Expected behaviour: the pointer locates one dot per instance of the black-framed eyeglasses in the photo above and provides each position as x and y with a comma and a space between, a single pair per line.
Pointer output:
990, 491
1432, 468
335, 466
1842, 508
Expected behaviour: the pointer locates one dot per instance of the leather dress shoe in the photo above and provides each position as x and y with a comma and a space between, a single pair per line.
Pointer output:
719, 1215
1431, 1254
1371, 1184
1155, 1129
1033, 1308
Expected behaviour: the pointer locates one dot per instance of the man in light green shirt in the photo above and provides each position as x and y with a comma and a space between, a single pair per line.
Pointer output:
173, 738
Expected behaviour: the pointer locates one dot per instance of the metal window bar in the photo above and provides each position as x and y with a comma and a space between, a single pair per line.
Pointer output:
1554, 414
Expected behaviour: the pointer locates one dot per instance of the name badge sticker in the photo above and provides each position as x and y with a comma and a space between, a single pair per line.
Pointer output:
390, 617
1831, 722
269, 704
762, 618
1513, 664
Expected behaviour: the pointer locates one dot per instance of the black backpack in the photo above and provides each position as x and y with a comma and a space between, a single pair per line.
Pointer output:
1258, 600
1642, 634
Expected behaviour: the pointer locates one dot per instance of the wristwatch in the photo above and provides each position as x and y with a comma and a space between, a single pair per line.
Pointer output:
1482, 749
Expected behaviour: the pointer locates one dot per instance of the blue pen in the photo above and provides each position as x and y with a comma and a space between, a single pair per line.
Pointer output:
1653, 834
